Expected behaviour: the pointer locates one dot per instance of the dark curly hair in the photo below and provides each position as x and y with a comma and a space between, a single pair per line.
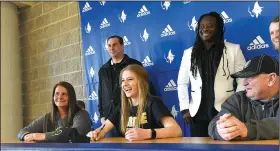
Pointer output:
199, 47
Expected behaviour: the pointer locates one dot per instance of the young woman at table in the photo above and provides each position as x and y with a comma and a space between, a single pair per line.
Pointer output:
65, 113
142, 115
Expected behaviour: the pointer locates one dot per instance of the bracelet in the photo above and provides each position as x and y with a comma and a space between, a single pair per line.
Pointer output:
154, 134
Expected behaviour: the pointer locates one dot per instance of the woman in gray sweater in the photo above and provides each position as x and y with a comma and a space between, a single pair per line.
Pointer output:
65, 114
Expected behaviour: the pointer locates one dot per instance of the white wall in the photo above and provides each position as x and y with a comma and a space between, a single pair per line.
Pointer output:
11, 93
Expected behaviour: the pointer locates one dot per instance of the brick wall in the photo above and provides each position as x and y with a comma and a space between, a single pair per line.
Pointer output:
51, 51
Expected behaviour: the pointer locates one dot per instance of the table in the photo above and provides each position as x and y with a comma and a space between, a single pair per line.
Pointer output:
170, 144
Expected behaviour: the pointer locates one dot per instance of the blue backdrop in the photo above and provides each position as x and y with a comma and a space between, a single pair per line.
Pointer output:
157, 33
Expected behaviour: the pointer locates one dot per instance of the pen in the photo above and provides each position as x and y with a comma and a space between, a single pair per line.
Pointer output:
100, 130
88, 135
102, 127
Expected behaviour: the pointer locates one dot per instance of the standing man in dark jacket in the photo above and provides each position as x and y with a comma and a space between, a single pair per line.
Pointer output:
251, 114
109, 89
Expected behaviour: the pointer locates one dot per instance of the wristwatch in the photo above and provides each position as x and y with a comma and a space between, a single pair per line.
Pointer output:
154, 134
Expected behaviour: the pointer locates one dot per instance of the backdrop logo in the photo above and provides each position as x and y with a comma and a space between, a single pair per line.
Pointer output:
105, 45
143, 11
174, 112
123, 17
247, 64
102, 3
168, 31
165, 5
258, 43
257, 10
91, 72
187, 2
225, 17
147, 62
170, 57
93, 96
126, 41
145, 36
88, 28
104, 23
95, 118
193, 25
171, 86
90, 51
86, 7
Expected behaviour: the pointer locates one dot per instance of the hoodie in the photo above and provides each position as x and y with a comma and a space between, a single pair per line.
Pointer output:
259, 117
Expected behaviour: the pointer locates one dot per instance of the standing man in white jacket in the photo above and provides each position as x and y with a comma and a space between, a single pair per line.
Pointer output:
207, 67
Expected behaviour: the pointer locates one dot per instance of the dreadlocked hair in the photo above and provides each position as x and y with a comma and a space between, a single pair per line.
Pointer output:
198, 47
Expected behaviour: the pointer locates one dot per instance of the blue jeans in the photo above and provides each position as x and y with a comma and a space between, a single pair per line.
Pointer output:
114, 132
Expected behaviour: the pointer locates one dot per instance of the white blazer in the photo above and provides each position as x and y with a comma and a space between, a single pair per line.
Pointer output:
223, 87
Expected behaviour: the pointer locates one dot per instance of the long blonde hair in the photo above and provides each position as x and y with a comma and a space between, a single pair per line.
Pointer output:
142, 77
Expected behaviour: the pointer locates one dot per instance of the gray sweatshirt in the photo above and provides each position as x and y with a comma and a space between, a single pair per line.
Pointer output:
260, 118
81, 122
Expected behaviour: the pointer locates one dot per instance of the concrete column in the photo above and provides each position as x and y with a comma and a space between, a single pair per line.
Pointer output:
11, 91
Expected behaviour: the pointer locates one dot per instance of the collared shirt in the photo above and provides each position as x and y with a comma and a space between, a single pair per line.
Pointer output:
209, 66
115, 72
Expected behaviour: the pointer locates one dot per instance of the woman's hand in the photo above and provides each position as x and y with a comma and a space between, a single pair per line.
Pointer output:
134, 134
101, 131
95, 135
32, 137
28, 138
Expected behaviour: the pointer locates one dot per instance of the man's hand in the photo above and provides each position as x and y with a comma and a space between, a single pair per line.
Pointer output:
224, 117
134, 134
187, 116
229, 127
